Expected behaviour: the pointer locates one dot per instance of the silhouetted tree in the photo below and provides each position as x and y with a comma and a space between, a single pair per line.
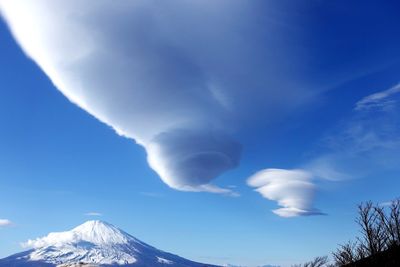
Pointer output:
373, 232
360, 252
380, 230
395, 220
390, 222
346, 254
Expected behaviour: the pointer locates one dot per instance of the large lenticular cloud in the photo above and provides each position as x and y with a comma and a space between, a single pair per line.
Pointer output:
178, 77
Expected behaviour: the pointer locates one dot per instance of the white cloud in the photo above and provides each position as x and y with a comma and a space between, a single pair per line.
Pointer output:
5, 222
183, 78
325, 167
292, 189
177, 77
93, 213
380, 99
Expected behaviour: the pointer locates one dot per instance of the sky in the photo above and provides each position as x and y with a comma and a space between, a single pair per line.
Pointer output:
222, 131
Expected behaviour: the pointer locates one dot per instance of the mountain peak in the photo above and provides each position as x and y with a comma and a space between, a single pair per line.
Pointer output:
93, 242
95, 222
95, 226
96, 232
100, 233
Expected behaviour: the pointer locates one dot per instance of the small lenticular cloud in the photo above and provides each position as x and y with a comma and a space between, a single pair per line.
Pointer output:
93, 214
292, 189
5, 222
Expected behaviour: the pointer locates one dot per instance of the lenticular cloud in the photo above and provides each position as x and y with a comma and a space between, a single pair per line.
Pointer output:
178, 77
292, 189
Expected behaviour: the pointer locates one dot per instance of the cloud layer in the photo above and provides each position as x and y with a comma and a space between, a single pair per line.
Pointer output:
179, 78
292, 189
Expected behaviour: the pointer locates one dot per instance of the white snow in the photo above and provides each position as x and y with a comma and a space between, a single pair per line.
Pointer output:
98, 243
165, 261
96, 232
92, 242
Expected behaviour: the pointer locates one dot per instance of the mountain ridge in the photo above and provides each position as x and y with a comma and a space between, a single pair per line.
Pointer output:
97, 243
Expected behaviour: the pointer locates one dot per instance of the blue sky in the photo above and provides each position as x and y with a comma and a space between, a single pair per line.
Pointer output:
294, 91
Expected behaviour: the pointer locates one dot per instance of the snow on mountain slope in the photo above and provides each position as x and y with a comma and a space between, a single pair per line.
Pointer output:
94, 242
96, 232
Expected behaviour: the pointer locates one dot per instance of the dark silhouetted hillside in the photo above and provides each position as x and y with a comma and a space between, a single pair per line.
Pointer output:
388, 258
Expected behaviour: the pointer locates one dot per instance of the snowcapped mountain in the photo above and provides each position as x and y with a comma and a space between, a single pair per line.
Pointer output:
94, 243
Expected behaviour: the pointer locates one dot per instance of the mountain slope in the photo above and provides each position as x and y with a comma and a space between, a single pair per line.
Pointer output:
387, 258
94, 242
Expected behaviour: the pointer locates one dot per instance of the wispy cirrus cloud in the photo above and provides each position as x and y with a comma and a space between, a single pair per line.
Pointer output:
365, 142
382, 99
293, 190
